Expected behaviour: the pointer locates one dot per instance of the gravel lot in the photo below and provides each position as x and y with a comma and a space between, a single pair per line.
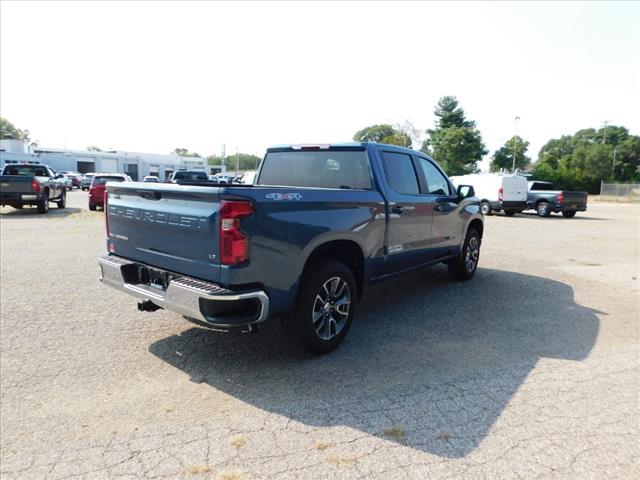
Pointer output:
531, 370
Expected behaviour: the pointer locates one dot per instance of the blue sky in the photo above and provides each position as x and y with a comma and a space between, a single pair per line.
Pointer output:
155, 76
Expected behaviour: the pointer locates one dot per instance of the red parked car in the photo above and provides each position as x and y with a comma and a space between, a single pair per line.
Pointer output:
98, 187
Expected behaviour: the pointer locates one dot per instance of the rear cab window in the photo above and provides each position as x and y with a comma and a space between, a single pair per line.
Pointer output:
348, 169
190, 176
26, 171
542, 186
101, 180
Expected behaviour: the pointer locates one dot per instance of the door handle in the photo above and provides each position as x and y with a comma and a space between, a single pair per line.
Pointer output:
399, 209
444, 207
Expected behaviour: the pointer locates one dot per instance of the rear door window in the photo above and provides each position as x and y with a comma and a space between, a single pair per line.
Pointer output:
400, 172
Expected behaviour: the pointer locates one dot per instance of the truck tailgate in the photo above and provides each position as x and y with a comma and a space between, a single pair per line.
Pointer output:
168, 226
15, 183
574, 198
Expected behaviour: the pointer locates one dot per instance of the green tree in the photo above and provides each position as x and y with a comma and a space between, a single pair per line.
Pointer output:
8, 129
246, 161
555, 150
383, 133
503, 158
93, 148
374, 133
183, 152
582, 160
455, 142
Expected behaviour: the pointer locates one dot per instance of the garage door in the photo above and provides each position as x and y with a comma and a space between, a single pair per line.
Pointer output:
108, 165
86, 167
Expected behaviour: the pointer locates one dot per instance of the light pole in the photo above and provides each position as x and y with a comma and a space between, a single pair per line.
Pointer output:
515, 144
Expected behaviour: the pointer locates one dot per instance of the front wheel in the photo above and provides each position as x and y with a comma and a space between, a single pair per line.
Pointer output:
324, 308
569, 214
465, 266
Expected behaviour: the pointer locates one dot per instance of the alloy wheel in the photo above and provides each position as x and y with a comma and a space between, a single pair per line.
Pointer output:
331, 308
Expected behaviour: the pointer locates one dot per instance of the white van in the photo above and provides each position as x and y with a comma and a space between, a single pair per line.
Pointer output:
497, 191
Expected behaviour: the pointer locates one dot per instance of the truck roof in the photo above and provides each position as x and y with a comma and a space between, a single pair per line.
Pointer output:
335, 146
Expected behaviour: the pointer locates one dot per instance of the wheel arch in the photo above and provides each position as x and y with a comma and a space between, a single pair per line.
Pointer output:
478, 225
346, 251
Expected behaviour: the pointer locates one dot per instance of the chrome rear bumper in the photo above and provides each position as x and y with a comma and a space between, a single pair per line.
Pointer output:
188, 296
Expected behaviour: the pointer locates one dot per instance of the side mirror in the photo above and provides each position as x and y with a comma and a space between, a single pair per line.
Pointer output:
466, 191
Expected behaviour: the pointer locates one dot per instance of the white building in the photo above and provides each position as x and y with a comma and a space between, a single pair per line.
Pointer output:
135, 164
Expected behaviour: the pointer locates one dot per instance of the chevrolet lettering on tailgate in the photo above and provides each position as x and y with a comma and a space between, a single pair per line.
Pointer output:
186, 221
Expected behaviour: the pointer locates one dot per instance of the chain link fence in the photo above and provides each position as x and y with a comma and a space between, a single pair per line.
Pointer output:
621, 191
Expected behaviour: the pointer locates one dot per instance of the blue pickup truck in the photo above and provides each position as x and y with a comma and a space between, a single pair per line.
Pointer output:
319, 223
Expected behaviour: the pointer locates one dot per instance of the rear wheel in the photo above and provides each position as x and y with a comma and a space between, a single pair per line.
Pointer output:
62, 203
92, 207
569, 214
324, 308
43, 204
485, 208
543, 209
465, 266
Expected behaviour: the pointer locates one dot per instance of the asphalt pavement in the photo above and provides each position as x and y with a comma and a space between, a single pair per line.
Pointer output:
530, 370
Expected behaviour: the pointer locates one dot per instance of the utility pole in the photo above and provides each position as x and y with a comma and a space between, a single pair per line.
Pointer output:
604, 134
613, 162
515, 143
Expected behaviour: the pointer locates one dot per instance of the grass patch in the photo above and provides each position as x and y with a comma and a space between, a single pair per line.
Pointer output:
198, 469
238, 441
231, 476
340, 460
397, 433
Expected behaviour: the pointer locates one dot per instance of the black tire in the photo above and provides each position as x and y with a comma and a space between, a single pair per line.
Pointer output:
569, 213
300, 328
510, 213
485, 208
543, 209
62, 203
92, 207
461, 269
43, 204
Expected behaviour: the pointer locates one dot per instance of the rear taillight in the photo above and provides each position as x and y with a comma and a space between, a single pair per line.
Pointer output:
35, 186
234, 244
560, 197
500, 192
